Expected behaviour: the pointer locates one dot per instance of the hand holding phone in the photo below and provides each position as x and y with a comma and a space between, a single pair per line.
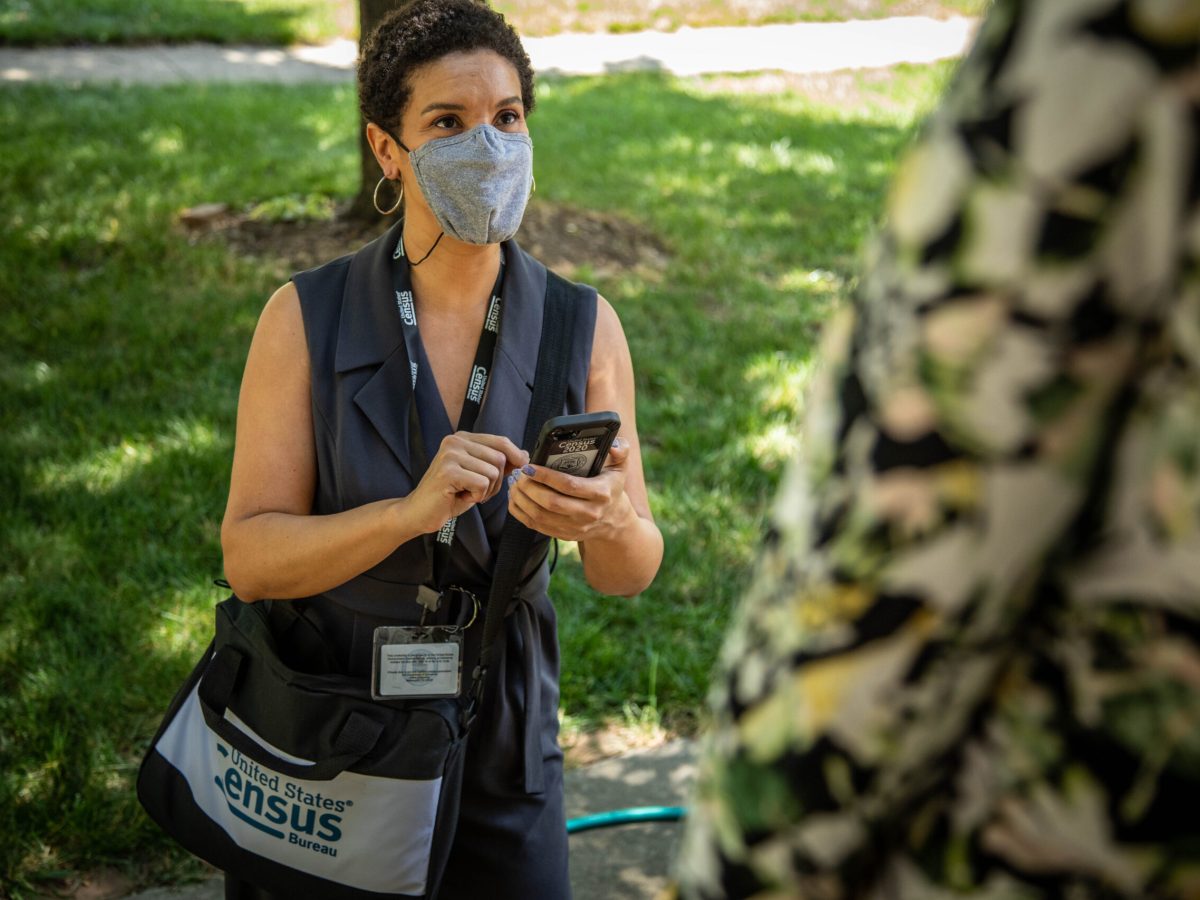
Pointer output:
561, 498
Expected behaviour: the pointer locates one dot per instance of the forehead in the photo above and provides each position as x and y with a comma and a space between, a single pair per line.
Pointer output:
481, 77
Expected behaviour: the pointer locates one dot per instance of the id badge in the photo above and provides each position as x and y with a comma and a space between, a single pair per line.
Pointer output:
416, 662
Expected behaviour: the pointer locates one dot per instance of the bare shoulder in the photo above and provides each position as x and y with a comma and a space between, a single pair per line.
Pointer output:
282, 311
280, 330
608, 323
609, 347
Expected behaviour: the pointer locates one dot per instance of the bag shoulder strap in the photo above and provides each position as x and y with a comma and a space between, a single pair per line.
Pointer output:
555, 352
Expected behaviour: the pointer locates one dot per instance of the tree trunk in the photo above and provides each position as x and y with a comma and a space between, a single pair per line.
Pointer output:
362, 208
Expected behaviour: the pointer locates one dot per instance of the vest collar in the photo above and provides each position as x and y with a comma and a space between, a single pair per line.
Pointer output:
369, 328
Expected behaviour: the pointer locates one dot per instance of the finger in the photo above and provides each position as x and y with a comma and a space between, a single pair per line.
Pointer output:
530, 514
477, 456
470, 485
617, 453
489, 465
514, 456
557, 503
466, 445
571, 485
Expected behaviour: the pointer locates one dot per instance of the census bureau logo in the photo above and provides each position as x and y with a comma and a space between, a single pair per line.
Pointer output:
493, 317
446, 534
282, 809
404, 301
478, 383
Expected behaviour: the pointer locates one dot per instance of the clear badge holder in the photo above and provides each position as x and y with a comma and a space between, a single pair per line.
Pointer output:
420, 662
416, 662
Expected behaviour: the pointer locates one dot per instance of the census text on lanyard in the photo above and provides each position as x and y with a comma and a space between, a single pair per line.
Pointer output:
481, 371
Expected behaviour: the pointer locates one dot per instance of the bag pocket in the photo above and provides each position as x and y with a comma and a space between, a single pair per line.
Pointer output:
343, 798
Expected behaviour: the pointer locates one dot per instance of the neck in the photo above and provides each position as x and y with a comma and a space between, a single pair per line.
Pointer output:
456, 275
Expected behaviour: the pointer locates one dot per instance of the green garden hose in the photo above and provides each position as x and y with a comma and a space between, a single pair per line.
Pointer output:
626, 816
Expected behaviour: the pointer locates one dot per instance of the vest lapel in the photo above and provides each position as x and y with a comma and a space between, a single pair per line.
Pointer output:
369, 334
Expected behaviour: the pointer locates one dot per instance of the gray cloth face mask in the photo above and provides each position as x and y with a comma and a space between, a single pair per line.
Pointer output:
476, 183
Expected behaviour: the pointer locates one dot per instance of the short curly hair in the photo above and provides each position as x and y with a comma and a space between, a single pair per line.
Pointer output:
422, 32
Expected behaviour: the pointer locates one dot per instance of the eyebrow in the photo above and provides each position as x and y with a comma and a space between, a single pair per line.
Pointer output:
458, 107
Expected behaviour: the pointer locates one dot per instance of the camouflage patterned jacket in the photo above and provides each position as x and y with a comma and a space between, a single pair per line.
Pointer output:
970, 660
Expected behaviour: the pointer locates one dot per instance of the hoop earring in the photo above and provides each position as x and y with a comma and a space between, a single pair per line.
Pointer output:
395, 206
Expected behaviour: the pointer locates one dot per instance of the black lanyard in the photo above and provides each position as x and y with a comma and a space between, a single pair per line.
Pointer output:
481, 372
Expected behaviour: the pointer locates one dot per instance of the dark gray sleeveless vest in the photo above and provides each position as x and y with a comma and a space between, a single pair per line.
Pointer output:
361, 397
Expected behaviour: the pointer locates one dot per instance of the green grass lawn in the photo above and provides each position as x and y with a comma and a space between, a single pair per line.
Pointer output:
122, 346
140, 21
309, 21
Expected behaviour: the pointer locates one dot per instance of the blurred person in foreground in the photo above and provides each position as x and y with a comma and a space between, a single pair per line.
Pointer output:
970, 661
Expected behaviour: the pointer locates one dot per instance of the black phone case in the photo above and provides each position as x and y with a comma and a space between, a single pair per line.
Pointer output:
577, 445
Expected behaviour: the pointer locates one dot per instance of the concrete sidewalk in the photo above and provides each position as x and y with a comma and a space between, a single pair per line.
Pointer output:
626, 862
807, 47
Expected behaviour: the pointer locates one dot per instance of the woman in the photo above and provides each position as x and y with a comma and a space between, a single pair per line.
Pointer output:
346, 389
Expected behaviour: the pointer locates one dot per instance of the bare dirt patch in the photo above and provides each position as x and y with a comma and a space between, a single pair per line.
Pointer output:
565, 238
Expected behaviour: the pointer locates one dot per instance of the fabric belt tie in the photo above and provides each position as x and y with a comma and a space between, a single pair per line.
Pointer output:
520, 613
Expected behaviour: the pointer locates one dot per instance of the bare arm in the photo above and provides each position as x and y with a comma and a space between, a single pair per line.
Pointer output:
609, 514
273, 545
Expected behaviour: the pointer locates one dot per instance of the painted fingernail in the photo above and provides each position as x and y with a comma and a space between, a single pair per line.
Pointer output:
511, 479
618, 443
528, 470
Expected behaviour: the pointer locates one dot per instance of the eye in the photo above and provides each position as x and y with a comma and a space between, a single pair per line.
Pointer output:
446, 122
508, 117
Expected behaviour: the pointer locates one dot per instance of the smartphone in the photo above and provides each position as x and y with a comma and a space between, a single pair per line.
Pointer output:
577, 445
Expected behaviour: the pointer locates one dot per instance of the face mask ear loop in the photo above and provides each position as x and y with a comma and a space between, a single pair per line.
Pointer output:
442, 234
431, 249
398, 141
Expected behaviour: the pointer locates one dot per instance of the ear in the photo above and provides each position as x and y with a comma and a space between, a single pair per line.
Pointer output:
387, 151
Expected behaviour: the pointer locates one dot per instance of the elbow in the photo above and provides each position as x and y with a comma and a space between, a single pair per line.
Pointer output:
616, 585
623, 583
243, 590
239, 571
624, 571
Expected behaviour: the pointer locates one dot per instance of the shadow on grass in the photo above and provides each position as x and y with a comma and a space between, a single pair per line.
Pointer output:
112, 473
123, 349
